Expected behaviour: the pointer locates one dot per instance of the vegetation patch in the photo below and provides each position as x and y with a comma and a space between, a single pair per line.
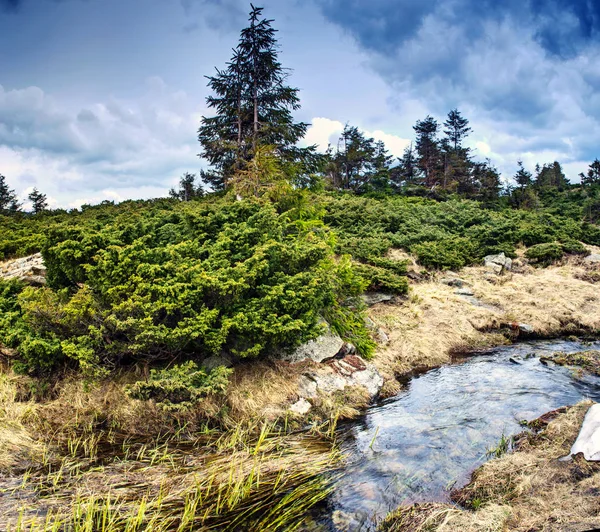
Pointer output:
588, 361
181, 386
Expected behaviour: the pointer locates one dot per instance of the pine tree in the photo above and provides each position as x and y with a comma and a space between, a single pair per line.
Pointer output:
253, 107
428, 150
38, 201
456, 129
406, 172
187, 188
592, 176
550, 176
354, 162
8, 198
523, 177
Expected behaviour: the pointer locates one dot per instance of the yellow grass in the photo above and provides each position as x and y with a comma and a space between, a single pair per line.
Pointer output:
434, 322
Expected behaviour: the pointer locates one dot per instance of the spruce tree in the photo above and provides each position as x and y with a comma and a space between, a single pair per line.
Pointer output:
523, 177
187, 188
8, 198
406, 172
592, 176
456, 129
253, 107
38, 200
428, 150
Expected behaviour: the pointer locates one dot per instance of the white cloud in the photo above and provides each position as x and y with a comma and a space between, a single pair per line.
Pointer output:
131, 149
325, 131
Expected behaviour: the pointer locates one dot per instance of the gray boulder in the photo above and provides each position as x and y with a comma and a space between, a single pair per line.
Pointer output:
593, 258
464, 292
339, 373
453, 281
498, 263
325, 346
214, 361
372, 298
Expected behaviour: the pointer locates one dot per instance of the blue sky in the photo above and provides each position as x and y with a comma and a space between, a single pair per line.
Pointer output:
101, 99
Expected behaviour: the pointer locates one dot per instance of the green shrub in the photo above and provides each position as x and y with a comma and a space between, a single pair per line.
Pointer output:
574, 247
380, 279
545, 254
446, 254
181, 386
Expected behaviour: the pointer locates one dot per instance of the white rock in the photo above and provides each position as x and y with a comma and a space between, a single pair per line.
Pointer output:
325, 346
498, 263
30, 270
301, 407
524, 328
307, 387
370, 379
594, 257
588, 440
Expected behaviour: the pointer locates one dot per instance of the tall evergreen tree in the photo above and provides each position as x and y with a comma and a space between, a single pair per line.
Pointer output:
523, 177
550, 176
38, 200
253, 107
406, 172
428, 150
456, 129
187, 188
592, 176
458, 167
8, 198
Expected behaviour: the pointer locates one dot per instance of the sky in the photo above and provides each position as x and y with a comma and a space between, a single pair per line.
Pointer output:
102, 99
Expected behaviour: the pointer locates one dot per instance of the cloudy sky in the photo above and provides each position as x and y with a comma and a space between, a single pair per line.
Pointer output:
101, 99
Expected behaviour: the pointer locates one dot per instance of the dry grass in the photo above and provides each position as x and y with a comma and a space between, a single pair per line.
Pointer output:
529, 489
434, 322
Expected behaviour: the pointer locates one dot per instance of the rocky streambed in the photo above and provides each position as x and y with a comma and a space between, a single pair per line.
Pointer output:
426, 441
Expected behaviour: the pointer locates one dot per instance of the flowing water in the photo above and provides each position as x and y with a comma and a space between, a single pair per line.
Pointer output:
428, 439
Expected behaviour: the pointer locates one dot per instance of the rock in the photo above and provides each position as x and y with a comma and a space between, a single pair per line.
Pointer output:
339, 373
30, 270
382, 337
307, 387
215, 361
464, 292
301, 407
372, 298
588, 440
594, 257
498, 263
453, 281
525, 329
327, 345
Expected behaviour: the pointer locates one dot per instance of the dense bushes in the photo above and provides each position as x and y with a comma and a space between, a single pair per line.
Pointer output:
195, 280
450, 234
164, 280
545, 253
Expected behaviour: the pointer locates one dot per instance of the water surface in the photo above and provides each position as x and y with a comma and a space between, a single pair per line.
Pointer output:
428, 439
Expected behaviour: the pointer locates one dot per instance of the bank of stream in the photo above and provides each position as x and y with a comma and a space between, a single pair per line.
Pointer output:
427, 440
